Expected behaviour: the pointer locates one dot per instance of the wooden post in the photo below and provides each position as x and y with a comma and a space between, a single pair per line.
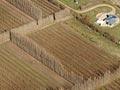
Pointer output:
37, 22
54, 16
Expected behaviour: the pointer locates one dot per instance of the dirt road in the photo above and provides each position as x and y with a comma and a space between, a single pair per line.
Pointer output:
113, 10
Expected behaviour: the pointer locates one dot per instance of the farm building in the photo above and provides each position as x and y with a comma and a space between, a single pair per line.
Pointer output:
107, 20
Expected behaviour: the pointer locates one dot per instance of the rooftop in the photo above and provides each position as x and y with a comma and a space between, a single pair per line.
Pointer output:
106, 19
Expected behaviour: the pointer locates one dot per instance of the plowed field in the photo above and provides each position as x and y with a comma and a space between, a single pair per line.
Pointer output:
10, 18
16, 74
75, 54
46, 7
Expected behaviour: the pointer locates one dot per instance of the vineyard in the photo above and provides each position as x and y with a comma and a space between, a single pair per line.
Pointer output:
42, 49
46, 7
11, 18
27, 7
16, 74
75, 54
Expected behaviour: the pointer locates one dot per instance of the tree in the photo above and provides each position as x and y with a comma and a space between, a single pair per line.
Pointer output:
74, 0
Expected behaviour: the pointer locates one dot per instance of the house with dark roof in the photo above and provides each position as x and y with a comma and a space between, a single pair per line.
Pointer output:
107, 20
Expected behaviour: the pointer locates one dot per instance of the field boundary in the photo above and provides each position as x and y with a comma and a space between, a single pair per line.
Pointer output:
32, 26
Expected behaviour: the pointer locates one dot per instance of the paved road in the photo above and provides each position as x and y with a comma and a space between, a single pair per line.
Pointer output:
113, 10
